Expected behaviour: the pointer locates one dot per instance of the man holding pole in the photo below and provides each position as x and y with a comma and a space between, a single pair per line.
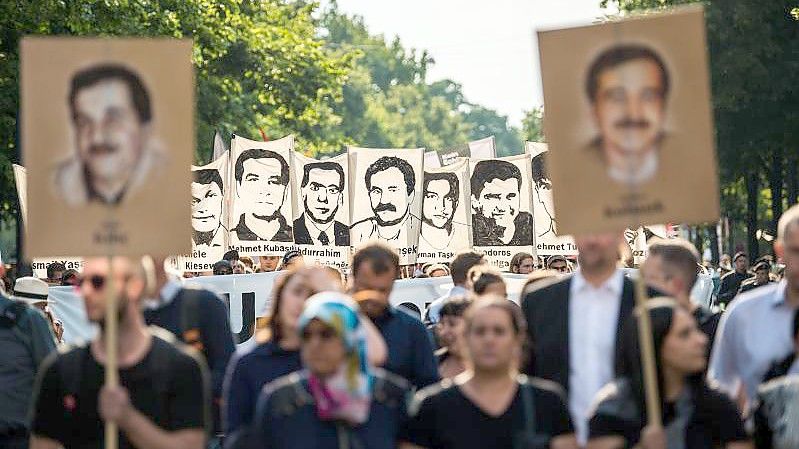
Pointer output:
162, 398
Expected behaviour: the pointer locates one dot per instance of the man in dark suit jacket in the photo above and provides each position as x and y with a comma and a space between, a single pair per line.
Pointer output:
573, 325
322, 193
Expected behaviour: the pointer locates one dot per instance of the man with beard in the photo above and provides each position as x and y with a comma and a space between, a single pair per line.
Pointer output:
262, 178
497, 220
162, 398
627, 86
115, 154
390, 183
440, 201
206, 210
322, 195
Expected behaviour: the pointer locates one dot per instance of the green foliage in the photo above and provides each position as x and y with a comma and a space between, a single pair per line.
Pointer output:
533, 125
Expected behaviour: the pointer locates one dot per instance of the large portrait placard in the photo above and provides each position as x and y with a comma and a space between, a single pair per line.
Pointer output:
628, 121
446, 215
106, 124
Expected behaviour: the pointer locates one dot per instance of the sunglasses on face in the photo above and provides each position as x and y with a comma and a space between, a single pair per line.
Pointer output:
97, 281
324, 335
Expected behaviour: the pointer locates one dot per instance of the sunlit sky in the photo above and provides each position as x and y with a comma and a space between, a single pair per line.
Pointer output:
488, 46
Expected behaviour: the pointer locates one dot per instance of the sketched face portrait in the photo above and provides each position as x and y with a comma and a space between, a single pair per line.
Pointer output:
545, 223
440, 199
627, 87
390, 183
111, 122
495, 191
263, 178
322, 190
206, 201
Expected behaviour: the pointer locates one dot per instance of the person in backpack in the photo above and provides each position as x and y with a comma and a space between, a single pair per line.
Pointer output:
162, 400
199, 318
25, 339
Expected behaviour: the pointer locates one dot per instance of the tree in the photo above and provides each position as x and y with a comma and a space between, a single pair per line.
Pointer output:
533, 125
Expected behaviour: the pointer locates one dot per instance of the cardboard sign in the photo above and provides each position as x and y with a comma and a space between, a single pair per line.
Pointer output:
106, 125
628, 122
384, 198
502, 219
261, 222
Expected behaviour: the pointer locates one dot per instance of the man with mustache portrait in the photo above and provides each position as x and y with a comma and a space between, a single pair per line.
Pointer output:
262, 180
322, 195
496, 198
390, 183
627, 87
111, 121
206, 210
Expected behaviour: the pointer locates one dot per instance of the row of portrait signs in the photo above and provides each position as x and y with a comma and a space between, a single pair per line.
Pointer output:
627, 119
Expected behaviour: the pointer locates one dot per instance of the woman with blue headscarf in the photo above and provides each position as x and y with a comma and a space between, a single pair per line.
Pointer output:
338, 401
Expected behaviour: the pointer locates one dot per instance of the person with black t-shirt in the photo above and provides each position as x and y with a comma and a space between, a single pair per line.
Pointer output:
694, 415
491, 405
163, 396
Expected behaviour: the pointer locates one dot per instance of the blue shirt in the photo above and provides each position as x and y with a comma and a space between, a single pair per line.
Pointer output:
433, 313
246, 376
286, 417
754, 332
410, 348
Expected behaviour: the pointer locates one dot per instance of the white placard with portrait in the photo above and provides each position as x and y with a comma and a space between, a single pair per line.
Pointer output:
261, 222
385, 200
446, 216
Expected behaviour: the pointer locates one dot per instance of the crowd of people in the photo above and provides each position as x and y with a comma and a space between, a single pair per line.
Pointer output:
334, 364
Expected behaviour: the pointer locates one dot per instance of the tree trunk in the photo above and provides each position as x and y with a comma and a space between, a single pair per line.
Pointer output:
714, 244
792, 177
752, 194
775, 181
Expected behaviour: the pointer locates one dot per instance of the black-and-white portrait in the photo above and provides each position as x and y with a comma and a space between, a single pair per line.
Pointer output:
386, 202
110, 116
261, 180
547, 240
445, 217
500, 203
322, 194
208, 217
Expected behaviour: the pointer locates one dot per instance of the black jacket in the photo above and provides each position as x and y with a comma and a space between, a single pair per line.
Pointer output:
547, 312
341, 233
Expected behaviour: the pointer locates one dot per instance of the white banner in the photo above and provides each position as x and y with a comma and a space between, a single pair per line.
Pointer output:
483, 148
446, 221
21, 179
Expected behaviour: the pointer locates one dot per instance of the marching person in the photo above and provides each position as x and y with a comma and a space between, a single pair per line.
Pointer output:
522, 263
487, 281
339, 400
25, 339
459, 268
162, 400
671, 267
35, 292
451, 355
199, 318
410, 347
491, 405
753, 332
731, 282
573, 324
694, 415
278, 344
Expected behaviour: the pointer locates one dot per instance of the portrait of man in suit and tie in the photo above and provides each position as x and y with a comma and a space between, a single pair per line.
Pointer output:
262, 180
322, 190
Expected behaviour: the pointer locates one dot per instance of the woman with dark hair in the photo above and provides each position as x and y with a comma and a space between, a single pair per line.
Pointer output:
339, 400
695, 416
487, 281
449, 329
278, 344
490, 405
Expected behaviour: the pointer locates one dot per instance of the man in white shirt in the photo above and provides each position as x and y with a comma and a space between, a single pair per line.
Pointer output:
755, 331
574, 322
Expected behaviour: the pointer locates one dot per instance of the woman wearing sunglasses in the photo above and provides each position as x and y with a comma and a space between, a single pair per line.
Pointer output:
490, 405
339, 400
278, 344
694, 415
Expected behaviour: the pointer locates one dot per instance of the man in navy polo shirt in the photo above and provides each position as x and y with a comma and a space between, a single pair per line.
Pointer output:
410, 348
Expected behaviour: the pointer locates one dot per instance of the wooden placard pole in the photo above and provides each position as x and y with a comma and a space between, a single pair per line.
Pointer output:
647, 346
111, 363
